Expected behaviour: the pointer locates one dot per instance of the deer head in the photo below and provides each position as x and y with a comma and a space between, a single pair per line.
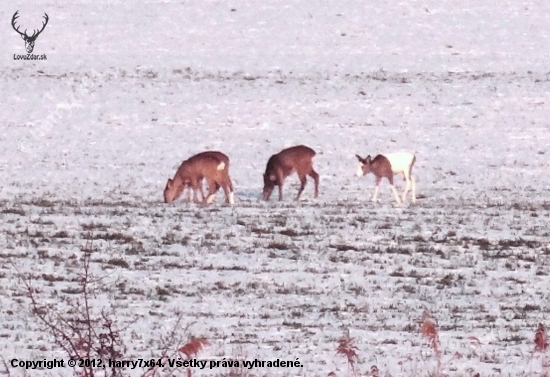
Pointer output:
364, 165
29, 40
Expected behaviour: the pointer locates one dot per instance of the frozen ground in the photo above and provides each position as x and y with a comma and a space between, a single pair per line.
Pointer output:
131, 89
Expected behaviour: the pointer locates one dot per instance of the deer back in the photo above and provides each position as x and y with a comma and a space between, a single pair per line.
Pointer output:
198, 167
298, 158
215, 154
400, 161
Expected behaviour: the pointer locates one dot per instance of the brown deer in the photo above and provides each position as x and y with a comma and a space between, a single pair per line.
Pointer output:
297, 159
386, 166
212, 166
223, 158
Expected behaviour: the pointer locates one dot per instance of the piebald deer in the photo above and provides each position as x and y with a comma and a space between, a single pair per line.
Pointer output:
386, 166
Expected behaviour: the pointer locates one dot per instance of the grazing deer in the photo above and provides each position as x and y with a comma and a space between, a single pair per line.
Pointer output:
386, 166
297, 159
223, 158
212, 166
29, 40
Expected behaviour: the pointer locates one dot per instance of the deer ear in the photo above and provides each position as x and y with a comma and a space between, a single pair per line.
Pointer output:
359, 158
367, 160
22, 36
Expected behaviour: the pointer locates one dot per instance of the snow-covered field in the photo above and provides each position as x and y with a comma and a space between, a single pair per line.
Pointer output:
130, 89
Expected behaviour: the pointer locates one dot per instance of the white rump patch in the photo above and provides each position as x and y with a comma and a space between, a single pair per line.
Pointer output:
400, 161
231, 198
210, 198
359, 171
221, 166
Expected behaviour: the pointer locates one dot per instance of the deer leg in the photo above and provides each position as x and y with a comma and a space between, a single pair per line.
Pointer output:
216, 188
226, 186
213, 187
194, 185
196, 196
313, 174
182, 192
376, 188
303, 181
229, 183
397, 199
231, 192
185, 194
280, 181
407, 187
201, 185
280, 192
189, 193
413, 184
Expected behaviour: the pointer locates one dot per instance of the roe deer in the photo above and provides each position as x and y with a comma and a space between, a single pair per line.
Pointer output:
212, 166
386, 166
297, 159
223, 158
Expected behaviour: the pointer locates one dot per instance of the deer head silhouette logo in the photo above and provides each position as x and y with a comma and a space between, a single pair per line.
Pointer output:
29, 40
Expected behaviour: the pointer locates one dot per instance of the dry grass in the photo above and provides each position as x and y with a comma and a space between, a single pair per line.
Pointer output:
541, 340
416, 271
192, 348
347, 348
541, 346
89, 333
428, 329
81, 331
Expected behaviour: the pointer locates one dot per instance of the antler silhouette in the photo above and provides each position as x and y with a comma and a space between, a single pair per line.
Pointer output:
36, 34
15, 17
